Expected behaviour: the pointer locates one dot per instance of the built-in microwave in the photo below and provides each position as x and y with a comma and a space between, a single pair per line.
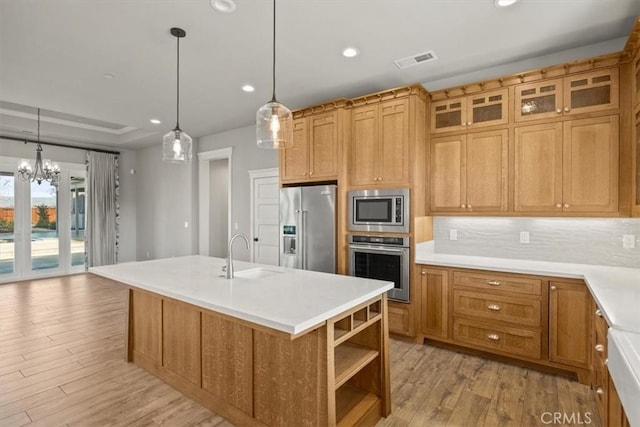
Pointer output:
380, 210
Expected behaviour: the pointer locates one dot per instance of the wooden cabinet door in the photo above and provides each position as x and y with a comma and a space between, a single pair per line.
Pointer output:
590, 165
538, 168
448, 174
488, 109
594, 91
448, 115
145, 326
636, 80
363, 151
539, 100
393, 160
636, 167
323, 146
294, 161
181, 340
486, 174
434, 302
569, 324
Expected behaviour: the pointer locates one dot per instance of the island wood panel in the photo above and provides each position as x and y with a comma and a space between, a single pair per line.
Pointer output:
290, 371
181, 340
145, 325
227, 361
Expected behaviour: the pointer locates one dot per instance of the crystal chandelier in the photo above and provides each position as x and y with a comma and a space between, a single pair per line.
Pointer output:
43, 170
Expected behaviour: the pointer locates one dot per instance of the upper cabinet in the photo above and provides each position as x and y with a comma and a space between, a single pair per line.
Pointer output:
469, 172
314, 155
380, 144
470, 112
576, 94
567, 167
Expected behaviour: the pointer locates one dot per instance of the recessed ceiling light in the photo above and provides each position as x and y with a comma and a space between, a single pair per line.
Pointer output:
155, 121
248, 88
350, 52
224, 6
504, 3
108, 76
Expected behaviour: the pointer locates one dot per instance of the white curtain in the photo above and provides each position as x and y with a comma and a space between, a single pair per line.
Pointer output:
102, 209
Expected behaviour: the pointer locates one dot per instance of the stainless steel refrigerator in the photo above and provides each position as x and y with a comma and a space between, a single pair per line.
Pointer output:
308, 228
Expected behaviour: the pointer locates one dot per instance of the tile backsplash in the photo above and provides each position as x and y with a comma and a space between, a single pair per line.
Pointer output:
575, 240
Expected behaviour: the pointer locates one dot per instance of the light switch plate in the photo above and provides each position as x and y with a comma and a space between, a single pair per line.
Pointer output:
524, 237
453, 234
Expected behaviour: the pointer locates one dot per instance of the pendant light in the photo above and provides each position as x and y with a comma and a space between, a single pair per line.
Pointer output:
43, 171
274, 120
176, 145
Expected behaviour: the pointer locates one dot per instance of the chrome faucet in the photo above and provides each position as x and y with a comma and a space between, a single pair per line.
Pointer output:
229, 259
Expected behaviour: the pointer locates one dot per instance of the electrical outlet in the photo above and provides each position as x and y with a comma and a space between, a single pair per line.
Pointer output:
628, 241
453, 234
524, 237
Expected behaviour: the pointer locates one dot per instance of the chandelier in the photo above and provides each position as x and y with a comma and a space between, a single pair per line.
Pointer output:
43, 170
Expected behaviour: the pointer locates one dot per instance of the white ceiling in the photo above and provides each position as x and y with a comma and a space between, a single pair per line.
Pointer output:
54, 54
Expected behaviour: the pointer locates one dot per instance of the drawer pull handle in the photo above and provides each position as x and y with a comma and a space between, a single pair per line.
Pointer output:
599, 313
600, 348
554, 287
493, 283
599, 390
493, 307
493, 337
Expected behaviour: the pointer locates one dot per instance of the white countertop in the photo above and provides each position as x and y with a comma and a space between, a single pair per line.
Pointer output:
616, 290
288, 300
624, 368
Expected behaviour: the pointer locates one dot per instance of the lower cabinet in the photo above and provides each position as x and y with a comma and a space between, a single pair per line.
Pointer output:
401, 320
609, 405
541, 320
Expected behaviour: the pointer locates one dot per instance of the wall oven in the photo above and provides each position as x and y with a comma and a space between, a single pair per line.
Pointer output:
381, 210
384, 258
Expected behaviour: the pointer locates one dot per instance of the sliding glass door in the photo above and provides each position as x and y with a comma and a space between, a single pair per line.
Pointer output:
41, 225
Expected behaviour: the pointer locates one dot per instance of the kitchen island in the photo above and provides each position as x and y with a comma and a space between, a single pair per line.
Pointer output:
271, 346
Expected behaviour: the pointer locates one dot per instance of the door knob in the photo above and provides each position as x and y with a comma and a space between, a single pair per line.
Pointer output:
255, 239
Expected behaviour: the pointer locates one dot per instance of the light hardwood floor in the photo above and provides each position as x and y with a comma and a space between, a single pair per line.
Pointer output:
62, 363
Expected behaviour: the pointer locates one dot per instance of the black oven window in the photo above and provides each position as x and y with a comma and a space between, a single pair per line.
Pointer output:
374, 210
379, 266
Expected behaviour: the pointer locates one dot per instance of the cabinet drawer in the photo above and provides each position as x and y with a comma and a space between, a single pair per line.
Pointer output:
600, 347
600, 389
600, 326
524, 311
498, 338
500, 282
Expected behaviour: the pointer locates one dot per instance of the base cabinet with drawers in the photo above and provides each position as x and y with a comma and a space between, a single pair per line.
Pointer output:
540, 320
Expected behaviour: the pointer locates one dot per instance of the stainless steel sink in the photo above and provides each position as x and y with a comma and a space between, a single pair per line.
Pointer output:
257, 273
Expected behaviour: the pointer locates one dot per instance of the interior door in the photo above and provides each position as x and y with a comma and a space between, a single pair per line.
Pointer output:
266, 208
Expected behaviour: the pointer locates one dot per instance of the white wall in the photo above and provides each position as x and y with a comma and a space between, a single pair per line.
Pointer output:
127, 161
166, 200
219, 208
246, 156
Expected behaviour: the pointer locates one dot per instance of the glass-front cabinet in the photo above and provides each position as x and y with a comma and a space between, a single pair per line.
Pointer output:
472, 111
577, 94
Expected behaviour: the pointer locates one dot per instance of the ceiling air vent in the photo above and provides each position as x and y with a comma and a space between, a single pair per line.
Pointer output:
415, 59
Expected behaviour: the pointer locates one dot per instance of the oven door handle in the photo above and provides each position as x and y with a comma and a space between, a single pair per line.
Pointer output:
378, 248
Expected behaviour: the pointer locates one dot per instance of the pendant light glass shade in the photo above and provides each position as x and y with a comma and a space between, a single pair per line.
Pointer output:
177, 145
274, 126
274, 122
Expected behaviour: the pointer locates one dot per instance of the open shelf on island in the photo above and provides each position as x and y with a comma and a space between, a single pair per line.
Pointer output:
350, 358
356, 321
354, 404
